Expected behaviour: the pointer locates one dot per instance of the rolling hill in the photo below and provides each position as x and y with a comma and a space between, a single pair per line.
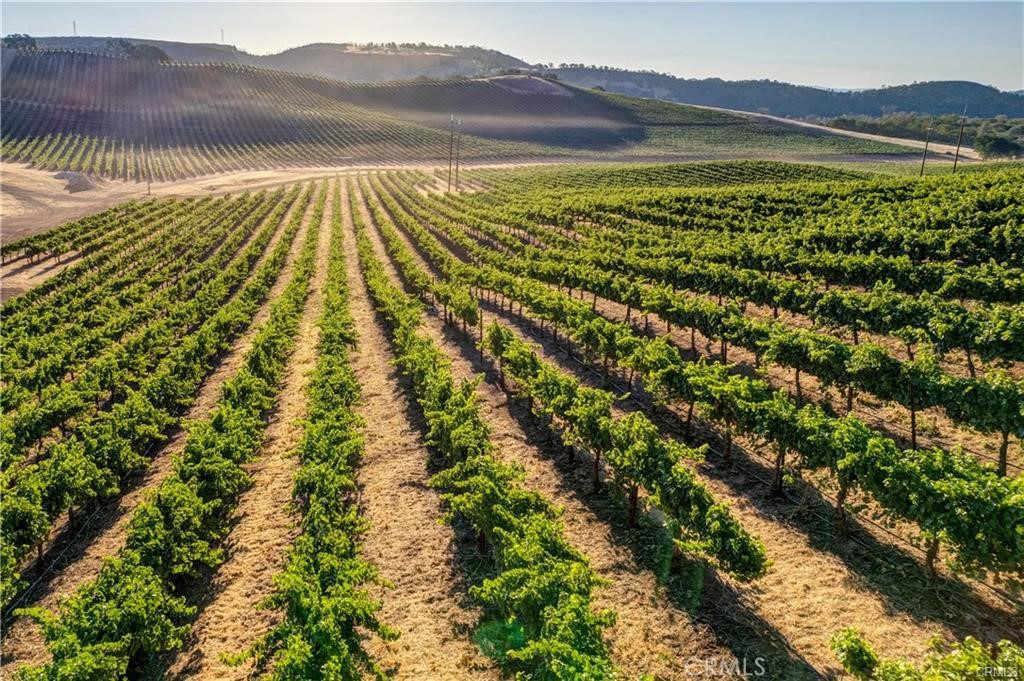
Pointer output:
391, 62
786, 99
340, 61
134, 119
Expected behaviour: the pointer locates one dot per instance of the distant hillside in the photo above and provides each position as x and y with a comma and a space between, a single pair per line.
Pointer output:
191, 52
162, 103
522, 108
126, 118
340, 61
784, 99
991, 137
381, 63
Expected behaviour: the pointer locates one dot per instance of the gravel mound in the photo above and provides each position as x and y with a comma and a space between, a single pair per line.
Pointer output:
77, 182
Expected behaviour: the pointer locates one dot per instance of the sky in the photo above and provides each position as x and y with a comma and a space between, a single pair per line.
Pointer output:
838, 44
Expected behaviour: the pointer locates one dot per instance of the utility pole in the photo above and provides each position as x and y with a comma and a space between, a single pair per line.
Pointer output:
451, 150
222, 36
458, 148
960, 137
74, 28
927, 136
145, 156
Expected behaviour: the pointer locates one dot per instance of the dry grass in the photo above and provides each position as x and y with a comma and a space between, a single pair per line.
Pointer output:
653, 634
819, 584
263, 526
81, 550
417, 554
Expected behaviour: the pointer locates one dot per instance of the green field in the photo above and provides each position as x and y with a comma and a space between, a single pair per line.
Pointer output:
495, 432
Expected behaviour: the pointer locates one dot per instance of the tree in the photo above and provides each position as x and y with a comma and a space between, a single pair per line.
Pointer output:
990, 146
19, 41
119, 47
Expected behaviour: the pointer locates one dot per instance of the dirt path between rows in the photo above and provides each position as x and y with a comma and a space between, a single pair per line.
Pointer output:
80, 558
263, 525
653, 634
406, 542
833, 587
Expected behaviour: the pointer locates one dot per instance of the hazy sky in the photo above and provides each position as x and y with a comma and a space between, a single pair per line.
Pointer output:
844, 45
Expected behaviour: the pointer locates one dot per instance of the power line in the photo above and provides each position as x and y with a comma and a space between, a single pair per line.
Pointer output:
451, 150
927, 136
458, 147
960, 137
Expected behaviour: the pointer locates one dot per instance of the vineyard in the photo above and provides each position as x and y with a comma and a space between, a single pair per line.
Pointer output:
140, 121
573, 422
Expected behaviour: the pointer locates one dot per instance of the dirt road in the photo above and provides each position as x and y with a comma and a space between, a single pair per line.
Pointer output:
33, 200
966, 153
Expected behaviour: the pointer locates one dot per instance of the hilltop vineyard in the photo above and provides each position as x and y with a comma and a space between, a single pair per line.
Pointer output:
581, 422
137, 121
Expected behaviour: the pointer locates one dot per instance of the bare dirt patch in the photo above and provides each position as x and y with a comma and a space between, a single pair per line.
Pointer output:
653, 634
263, 527
20, 276
33, 200
837, 582
78, 552
428, 603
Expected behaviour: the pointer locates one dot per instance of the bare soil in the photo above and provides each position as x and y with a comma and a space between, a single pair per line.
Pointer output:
820, 583
263, 526
75, 554
428, 602
18, 277
653, 634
